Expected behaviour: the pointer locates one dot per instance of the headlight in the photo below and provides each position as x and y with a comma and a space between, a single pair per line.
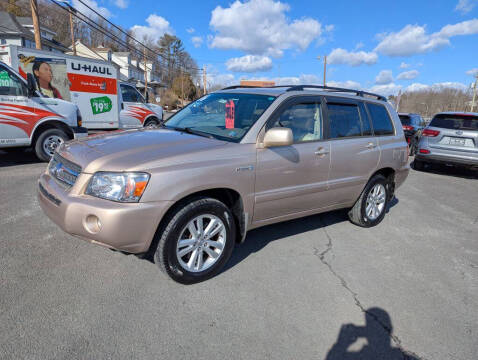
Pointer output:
124, 187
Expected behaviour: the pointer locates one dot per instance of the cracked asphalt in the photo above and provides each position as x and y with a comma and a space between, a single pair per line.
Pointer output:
314, 288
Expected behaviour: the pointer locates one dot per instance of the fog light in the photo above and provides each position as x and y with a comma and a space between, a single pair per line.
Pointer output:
424, 151
92, 224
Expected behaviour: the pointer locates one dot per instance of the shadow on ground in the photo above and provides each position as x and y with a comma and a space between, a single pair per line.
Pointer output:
14, 157
370, 342
450, 170
259, 238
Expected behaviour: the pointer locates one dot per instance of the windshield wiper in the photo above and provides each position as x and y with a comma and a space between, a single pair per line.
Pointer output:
189, 130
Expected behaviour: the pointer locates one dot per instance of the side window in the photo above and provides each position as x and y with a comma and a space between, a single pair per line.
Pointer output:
305, 121
129, 94
10, 84
382, 124
344, 120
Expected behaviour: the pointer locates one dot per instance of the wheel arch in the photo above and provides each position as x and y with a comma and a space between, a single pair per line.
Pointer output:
389, 174
230, 197
51, 124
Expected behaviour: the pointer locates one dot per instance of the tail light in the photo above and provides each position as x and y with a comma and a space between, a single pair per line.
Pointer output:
424, 151
407, 127
430, 132
79, 119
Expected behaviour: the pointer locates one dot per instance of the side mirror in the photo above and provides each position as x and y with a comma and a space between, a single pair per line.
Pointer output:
31, 84
278, 136
147, 97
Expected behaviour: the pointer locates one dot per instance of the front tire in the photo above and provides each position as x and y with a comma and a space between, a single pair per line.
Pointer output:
370, 208
152, 123
47, 143
197, 241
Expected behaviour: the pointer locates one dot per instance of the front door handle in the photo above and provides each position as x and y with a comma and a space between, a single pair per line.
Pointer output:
321, 151
371, 145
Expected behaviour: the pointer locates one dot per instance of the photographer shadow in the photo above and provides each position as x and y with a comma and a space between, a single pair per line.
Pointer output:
375, 336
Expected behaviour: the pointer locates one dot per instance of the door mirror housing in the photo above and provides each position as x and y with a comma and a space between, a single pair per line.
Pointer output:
31, 84
147, 97
278, 136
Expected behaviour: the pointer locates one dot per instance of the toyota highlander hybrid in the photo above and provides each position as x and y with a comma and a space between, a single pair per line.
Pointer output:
232, 161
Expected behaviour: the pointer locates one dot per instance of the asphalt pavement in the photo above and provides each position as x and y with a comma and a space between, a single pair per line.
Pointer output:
313, 288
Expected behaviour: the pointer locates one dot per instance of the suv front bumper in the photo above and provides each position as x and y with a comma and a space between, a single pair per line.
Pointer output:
127, 227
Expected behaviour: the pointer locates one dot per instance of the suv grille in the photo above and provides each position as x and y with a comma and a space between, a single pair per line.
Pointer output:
63, 171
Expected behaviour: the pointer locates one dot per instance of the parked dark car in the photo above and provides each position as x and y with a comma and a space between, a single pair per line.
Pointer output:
413, 125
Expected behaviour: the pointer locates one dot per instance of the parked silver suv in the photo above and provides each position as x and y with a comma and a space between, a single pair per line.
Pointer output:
232, 161
450, 138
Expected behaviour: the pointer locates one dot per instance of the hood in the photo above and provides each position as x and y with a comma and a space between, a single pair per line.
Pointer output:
134, 150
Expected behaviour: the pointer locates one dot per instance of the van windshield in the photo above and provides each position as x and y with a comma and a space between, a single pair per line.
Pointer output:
225, 116
455, 121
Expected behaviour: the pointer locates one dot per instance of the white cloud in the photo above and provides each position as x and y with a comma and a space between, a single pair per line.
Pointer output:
413, 39
359, 46
384, 77
197, 41
92, 4
342, 56
408, 75
465, 6
249, 63
386, 90
190, 30
157, 27
437, 86
404, 65
122, 4
472, 72
260, 27
349, 84
329, 28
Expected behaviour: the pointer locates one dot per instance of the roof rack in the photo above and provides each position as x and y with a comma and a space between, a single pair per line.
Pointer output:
337, 89
302, 87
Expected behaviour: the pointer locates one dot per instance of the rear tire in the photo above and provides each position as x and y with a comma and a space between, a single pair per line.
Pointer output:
152, 123
370, 208
178, 245
47, 143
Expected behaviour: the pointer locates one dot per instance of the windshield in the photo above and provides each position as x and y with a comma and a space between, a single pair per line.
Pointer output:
457, 122
225, 116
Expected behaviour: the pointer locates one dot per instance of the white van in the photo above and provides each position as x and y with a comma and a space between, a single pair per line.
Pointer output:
29, 119
93, 85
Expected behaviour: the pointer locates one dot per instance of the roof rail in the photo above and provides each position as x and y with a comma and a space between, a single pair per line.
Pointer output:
302, 87
336, 89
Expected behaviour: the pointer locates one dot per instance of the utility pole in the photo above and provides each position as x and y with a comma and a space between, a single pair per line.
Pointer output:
36, 23
72, 30
145, 73
474, 93
325, 67
204, 80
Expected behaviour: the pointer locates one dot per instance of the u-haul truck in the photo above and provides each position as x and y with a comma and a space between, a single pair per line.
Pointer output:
92, 85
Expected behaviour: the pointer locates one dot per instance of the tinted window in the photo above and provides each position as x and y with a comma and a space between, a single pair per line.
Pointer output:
10, 84
366, 128
457, 122
382, 124
344, 120
305, 121
227, 116
130, 94
405, 119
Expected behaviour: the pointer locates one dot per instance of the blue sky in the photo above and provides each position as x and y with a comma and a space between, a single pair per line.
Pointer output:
383, 46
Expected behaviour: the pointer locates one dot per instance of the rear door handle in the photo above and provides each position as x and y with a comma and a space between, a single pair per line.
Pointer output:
321, 151
371, 145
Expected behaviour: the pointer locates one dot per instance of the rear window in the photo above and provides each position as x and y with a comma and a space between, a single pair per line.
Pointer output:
456, 122
382, 124
405, 119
